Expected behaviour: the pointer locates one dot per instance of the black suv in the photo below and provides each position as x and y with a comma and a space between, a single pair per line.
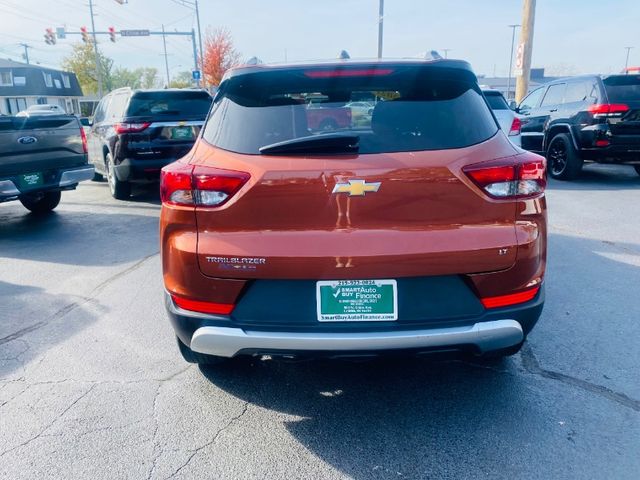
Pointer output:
137, 132
585, 118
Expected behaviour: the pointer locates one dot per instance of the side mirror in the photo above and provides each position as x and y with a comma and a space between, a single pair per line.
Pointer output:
513, 105
85, 122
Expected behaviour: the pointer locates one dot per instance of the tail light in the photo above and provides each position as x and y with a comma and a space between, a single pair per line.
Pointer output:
510, 299
83, 136
509, 179
516, 125
202, 307
189, 185
131, 127
608, 109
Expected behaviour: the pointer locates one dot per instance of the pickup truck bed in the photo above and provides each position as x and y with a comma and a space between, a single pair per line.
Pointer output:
39, 157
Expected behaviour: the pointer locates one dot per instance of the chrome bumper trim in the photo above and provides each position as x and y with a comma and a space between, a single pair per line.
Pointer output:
485, 336
8, 189
71, 177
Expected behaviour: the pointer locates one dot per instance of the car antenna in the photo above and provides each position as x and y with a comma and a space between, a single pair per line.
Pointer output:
344, 55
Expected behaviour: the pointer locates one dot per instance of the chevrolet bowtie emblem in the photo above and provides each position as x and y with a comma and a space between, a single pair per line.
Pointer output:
356, 188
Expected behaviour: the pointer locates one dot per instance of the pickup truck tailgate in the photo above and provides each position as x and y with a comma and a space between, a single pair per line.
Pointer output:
38, 144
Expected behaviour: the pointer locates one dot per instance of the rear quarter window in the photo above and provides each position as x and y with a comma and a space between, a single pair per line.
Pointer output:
412, 109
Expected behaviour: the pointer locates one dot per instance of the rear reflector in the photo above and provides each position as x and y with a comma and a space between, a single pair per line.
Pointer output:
188, 185
511, 299
509, 179
516, 125
348, 72
131, 127
83, 136
602, 143
202, 307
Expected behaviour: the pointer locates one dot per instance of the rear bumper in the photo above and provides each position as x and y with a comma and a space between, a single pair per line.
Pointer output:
229, 342
219, 335
134, 170
61, 180
629, 154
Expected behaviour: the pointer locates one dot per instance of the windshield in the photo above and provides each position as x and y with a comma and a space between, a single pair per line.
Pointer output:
623, 88
496, 101
411, 109
180, 103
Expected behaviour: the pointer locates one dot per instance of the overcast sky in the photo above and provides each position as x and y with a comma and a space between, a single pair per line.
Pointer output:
571, 36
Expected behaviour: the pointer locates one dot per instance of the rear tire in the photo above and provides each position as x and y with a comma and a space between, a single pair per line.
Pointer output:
200, 358
328, 125
564, 161
41, 205
119, 190
637, 167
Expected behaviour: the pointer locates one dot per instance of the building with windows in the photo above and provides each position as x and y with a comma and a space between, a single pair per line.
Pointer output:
22, 85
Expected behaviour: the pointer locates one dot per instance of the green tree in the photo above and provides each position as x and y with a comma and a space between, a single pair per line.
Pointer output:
181, 80
143, 77
82, 62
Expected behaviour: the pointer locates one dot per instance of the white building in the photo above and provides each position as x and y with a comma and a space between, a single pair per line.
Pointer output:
22, 85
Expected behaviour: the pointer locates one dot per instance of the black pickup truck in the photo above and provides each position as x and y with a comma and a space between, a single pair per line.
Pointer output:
40, 156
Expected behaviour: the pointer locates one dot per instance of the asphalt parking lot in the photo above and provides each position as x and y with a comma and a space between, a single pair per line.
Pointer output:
92, 384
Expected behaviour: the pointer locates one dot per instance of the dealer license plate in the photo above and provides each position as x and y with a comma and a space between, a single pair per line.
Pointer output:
30, 180
357, 300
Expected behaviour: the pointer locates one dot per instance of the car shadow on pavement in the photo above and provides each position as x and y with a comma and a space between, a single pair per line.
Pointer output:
601, 177
78, 238
27, 332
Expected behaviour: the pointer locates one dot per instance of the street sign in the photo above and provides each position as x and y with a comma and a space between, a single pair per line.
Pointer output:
517, 72
60, 33
196, 74
134, 33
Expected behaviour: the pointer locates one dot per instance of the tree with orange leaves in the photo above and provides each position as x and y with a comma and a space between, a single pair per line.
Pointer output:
219, 56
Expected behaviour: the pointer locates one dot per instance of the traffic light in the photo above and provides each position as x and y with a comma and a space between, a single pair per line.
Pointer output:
85, 35
49, 37
112, 34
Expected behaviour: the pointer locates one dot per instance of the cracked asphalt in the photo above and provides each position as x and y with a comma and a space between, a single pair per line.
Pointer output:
92, 384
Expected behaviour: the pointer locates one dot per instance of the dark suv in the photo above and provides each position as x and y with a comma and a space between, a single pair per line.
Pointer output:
137, 132
585, 118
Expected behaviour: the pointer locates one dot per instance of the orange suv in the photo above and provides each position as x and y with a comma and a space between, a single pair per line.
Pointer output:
417, 228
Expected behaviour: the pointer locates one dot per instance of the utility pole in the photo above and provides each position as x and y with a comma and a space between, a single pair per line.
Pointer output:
513, 39
380, 27
27, 47
166, 56
199, 37
95, 49
626, 63
526, 40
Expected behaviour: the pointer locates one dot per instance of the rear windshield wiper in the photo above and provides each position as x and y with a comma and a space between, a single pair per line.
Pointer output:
331, 143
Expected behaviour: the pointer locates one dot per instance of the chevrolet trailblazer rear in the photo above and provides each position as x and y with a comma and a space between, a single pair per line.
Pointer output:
418, 229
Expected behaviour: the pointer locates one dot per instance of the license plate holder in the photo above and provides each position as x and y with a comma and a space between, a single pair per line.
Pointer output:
30, 180
357, 301
182, 133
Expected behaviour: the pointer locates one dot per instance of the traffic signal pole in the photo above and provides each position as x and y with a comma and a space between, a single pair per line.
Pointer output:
95, 49
526, 40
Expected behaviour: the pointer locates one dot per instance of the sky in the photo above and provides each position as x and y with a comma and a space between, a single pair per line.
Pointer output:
571, 36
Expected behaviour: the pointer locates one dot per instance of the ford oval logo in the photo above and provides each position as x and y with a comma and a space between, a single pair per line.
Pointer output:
27, 140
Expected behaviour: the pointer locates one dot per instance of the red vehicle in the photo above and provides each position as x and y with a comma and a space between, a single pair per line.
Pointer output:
320, 117
422, 231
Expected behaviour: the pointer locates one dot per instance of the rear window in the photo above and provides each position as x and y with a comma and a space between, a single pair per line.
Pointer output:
623, 88
168, 103
496, 101
412, 108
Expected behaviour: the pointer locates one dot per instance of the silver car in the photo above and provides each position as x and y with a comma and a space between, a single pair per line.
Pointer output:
509, 120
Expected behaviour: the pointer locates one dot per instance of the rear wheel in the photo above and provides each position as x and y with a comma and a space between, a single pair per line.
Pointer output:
119, 190
328, 125
564, 161
637, 167
42, 203
199, 358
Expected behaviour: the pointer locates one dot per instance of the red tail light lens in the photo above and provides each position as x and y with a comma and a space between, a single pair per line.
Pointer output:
83, 136
131, 127
203, 307
188, 185
516, 125
510, 180
511, 299
608, 109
